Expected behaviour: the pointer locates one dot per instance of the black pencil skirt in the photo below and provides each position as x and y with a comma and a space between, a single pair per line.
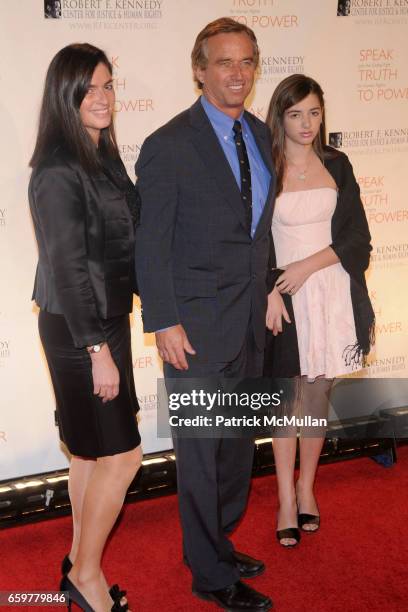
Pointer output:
88, 427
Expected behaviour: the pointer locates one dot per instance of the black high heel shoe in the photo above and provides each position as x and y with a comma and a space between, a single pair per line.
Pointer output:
304, 518
74, 595
291, 533
308, 519
115, 592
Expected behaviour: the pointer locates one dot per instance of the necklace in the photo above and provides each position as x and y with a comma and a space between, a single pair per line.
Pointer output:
302, 174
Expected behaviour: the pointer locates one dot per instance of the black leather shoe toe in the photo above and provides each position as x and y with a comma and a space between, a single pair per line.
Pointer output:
238, 597
248, 566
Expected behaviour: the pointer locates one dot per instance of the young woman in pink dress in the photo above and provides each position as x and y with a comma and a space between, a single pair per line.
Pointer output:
319, 314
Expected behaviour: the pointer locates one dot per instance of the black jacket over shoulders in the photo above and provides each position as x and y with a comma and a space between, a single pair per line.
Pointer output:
351, 242
85, 239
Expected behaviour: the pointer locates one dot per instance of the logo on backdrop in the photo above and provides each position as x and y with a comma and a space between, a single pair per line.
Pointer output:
378, 76
377, 202
106, 14
3, 217
273, 68
257, 14
124, 104
4, 351
385, 322
395, 363
335, 139
343, 8
373, 194
386, 140
143, 362
3, 437
52, 9
390, 255
147, 403
129, 154
383, 11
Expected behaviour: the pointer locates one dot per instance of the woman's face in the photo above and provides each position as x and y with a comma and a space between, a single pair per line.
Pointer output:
301, 121
97, 106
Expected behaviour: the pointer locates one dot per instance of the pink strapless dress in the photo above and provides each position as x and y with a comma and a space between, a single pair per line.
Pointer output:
322, 307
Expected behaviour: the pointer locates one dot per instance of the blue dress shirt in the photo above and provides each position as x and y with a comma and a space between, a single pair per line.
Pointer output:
260, 175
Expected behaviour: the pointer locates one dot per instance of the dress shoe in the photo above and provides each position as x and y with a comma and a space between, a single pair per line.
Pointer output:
115, 591
74, 595
248, 566
238, 597
308, 519
290, 533
305, 518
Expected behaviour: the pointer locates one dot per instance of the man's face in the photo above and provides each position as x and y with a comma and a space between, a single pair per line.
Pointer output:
229, 75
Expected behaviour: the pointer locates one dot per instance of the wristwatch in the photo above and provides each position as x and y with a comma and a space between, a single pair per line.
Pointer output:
95, 348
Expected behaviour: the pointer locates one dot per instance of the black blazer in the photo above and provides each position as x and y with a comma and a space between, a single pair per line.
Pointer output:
196, 263
85, 239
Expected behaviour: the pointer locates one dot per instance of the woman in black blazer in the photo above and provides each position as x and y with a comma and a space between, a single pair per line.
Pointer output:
84, 208
319, 315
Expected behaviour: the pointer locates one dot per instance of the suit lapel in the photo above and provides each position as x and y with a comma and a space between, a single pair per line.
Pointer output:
206, 143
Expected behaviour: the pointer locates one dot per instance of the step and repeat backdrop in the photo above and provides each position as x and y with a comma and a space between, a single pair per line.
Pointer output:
356, 49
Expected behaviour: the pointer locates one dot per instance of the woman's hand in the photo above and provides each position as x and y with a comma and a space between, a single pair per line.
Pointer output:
276, 310
293, 277
105, 374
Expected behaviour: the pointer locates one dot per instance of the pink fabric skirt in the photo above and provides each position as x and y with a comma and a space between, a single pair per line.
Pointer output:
322, 307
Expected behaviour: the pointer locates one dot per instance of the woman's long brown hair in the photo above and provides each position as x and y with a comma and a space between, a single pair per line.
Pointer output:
289, 92
68, 78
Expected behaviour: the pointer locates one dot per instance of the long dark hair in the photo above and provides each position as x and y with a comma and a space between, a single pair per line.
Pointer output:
68, 78
289, 92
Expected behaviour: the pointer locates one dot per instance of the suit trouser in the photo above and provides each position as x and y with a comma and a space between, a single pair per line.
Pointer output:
213, 477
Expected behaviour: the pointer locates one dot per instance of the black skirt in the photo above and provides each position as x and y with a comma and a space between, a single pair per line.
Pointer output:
88, 427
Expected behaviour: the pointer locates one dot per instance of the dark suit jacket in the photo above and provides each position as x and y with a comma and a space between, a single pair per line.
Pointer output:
196, 263
85, 242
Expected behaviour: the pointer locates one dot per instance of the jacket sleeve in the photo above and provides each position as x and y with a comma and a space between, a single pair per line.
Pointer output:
350, 234
157, 184
60, 210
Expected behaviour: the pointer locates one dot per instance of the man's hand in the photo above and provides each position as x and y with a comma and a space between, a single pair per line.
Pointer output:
276, 310
172, 345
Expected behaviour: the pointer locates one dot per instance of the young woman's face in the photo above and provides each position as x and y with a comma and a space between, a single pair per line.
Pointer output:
96, 109
302, 121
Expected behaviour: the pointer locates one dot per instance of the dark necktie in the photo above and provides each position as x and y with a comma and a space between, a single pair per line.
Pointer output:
245, 168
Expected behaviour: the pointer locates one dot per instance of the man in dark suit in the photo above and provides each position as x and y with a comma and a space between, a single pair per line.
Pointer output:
207, 184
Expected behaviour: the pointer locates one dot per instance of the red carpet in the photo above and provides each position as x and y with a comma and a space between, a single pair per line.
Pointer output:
357, 562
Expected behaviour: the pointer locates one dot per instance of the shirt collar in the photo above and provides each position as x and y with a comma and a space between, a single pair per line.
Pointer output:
221, 122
